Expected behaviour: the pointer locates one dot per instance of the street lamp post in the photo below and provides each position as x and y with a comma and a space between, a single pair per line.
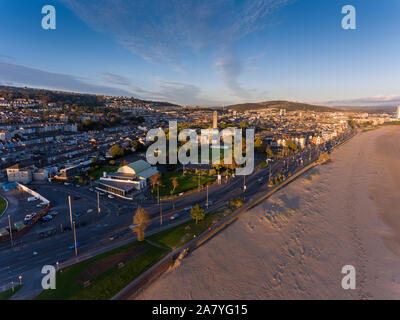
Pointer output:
270, 169
161, 218
70, 211
207, 198
20, 280
76, 248
199, 181
9, 226
244, 187
98, 204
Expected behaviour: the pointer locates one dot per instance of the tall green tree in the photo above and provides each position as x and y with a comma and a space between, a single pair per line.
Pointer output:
117, 151
197, 213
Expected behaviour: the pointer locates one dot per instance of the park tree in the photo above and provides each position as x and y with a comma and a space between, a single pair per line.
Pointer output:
259, 145
141, 220
175, 184
292, 145
155, 180
117, 151
269, 152
197, 213
243, 125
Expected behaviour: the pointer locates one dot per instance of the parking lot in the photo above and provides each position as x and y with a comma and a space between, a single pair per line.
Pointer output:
18, 206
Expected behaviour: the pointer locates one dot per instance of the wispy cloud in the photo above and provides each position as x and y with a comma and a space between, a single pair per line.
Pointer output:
161, 30
19, 75
177, 92
116, 79
181, 93
377, 101
230, 68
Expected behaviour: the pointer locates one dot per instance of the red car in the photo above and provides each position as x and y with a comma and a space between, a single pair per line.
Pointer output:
76, 198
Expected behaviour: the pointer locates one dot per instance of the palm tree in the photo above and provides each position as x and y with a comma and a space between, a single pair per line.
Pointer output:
156, 181
175, 183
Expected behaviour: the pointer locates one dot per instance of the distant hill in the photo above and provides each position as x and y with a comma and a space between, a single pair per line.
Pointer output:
289, 106
63, 97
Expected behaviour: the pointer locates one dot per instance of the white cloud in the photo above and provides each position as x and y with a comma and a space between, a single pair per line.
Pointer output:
161, 30
20, 75
116, 79
390, 100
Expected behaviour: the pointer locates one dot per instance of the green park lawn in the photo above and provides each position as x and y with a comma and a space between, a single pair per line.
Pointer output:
186, 182
3, 205
96, 174
105, 276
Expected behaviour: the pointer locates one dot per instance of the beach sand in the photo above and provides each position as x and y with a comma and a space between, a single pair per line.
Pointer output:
294, 244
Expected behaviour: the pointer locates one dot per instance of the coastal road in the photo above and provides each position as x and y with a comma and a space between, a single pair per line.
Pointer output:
27, 258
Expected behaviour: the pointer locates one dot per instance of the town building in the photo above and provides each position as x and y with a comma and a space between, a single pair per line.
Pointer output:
73, 170
215, 119
128, 179
17, 174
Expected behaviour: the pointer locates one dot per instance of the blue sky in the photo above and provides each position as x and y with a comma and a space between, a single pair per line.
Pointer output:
206, 52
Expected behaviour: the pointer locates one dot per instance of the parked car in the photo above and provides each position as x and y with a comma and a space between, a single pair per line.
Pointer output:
76, 198
30, 216
30, 199
111, 196
78, 214
188, 208
46, 218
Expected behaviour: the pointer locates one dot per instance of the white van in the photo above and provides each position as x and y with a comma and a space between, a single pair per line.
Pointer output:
30, 199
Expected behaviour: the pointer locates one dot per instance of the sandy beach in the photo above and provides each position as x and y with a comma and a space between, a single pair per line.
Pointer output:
294, 245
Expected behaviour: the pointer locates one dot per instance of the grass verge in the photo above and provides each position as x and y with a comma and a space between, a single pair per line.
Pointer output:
105, 285
95, 174
3, 205
9, 293
181, 234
